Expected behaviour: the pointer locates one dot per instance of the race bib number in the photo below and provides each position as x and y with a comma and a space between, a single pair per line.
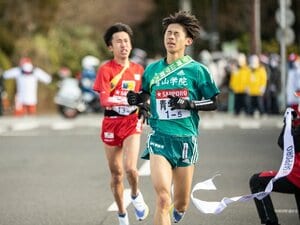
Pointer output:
124, 110
163, 106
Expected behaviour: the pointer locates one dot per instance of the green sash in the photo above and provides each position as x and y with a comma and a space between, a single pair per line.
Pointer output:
170, 69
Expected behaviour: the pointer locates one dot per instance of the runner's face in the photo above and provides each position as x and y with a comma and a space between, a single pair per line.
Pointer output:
120, 45
175, 39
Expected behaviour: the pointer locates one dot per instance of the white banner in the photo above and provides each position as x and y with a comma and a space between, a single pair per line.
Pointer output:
285, 168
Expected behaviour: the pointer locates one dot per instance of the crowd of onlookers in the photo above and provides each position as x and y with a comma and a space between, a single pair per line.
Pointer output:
249, 84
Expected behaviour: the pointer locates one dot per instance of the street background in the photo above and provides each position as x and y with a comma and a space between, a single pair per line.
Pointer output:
58, 34
53, 171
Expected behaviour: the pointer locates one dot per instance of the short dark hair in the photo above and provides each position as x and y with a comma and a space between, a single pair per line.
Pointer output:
117, 27
185, 19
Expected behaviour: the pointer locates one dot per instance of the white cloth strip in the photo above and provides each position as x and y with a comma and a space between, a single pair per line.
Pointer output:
284, 170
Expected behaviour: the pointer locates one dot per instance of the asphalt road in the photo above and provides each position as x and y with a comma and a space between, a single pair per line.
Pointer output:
53, 171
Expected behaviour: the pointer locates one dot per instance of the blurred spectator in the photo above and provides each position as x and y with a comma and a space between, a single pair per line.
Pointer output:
291, 59
64, 72
217, 69
206, 58
27, 77
139, 56
1, 91
239, 80
273, 85
293, 82
89, 65
257, 85
222, 64
87, 77
90, 62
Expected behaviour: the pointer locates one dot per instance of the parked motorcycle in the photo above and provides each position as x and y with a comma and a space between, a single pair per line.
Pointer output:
69, 99
76, 95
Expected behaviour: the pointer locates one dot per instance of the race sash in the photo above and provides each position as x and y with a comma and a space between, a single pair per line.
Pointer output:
284, 170
120, 109
170, 69
117, 78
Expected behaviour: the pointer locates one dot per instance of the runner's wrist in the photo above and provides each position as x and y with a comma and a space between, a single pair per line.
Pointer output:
192, 105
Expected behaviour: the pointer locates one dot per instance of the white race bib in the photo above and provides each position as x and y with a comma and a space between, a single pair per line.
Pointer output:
163, 108
124, 110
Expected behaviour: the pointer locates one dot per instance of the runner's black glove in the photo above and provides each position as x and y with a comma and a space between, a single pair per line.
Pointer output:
296, 137
134, 98
295, 132
137, 98
179, 103
144, 112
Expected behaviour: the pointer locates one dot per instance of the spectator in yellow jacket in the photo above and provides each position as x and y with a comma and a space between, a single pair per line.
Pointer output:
257, 85
238, 83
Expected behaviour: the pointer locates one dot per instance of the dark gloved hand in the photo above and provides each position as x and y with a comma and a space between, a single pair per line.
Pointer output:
179, 103
144, 112
296, 137
133, 98
294, 116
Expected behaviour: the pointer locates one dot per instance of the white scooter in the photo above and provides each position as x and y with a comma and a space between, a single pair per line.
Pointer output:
69, 98
77, 96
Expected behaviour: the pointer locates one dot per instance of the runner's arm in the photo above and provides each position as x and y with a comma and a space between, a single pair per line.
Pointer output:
202, 105
109, 101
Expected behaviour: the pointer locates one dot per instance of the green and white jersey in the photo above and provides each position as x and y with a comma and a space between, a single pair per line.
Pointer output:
190, 81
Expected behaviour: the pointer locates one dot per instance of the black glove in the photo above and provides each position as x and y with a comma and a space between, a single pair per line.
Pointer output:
294, 116
296, 137
179, 103
144, 112
134, 98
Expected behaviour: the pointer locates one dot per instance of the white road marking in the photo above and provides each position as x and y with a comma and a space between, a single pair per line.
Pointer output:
22, 126
212, 125
127, 201
3, 130
286, 211
249, 125
16, 124
143, 171
62, 125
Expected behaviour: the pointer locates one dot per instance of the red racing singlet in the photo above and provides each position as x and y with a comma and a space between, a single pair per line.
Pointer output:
115, 99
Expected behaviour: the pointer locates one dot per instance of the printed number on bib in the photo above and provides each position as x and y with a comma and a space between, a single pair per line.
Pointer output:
163, 106
124, 110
